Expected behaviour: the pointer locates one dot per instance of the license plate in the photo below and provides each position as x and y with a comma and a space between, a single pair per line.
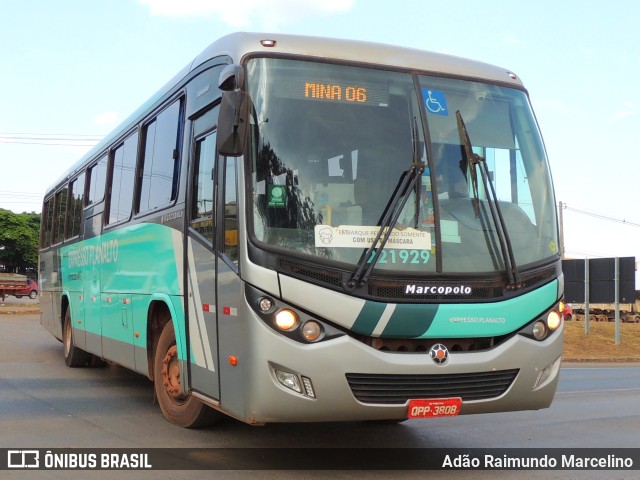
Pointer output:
438, 407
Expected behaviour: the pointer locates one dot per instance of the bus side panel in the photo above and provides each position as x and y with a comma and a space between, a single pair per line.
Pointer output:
117, 329
139, 316
140, 259
80, 282
203, 319
118, 273
72, 289
234, 341
90, 271
48, 295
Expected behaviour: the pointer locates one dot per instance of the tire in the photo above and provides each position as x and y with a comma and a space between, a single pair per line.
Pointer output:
182, 410
18, 296
73, 356
33, 294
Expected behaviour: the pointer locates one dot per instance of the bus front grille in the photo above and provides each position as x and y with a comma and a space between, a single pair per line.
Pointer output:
398, 389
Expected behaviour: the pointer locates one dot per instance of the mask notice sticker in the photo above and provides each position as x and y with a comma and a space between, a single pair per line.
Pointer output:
359, 236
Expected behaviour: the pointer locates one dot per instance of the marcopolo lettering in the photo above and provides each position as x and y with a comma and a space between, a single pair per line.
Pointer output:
413, 289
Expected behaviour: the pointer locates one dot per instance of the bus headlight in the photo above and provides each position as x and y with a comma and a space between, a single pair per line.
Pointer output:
295, 382
547, 375
286, 319
289, 380
265, 304
554, 319
539, 330
311, 331
545, 325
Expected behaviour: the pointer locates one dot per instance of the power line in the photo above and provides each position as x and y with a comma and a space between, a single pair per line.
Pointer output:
18, 194
58, 144
54, 139
47, 135
599, 215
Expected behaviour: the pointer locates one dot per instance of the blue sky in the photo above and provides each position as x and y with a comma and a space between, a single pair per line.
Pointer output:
74, 68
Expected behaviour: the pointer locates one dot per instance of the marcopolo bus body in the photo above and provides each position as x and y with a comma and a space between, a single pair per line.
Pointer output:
304, 229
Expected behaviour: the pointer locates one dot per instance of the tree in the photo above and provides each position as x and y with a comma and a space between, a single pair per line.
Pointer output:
19, 234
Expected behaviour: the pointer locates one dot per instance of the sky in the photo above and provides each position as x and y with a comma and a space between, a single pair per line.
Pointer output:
71, 70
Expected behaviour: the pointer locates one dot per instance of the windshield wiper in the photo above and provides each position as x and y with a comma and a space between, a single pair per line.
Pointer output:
406, 183
506, 246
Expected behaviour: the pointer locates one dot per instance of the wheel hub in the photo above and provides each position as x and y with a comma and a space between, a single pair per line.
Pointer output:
171, 373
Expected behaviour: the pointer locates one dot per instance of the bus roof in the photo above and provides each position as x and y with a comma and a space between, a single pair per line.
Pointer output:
237, 45
240, 44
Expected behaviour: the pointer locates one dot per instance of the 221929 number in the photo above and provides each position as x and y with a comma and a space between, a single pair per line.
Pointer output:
401, 256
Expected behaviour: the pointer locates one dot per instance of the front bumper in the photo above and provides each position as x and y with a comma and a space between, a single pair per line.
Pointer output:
327, 364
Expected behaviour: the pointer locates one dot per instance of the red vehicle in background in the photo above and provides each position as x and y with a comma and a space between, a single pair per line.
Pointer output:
30, 290
567, 313
17, 285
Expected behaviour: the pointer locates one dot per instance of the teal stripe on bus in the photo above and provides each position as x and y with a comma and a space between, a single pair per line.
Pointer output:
368, 317
457, 320
492, 319
410, 320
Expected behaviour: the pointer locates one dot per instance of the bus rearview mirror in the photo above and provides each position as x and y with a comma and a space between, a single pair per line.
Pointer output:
233, 123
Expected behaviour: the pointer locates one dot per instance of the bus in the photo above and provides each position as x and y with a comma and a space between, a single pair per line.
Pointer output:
299, 229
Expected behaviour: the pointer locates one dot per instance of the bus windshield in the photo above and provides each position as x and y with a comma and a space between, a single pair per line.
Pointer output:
331, 144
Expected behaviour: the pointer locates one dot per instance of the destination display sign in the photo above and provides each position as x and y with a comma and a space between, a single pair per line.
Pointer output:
333, 90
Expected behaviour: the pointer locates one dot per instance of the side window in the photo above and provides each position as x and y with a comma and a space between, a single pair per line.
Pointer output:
76, 203
47, 223
97, 179
202, 207
122, 180
230, 210
159, 184
60, 212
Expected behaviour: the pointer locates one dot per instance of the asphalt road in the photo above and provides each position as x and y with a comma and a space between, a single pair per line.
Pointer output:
44, 404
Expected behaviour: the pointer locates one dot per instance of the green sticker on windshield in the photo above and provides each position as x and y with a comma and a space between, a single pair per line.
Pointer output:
277, 196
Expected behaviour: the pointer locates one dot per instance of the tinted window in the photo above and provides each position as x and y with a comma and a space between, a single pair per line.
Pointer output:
75, 207
202, 207
230, 210
61, 210
47, 223
97, 180
160, 164
124, 165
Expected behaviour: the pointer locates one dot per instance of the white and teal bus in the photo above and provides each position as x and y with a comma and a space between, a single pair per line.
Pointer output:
300, 229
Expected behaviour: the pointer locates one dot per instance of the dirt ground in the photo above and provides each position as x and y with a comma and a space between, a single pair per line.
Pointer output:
24, 305
600, 344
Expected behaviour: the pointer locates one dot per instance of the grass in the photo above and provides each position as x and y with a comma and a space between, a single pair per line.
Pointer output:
11, 308
600, 344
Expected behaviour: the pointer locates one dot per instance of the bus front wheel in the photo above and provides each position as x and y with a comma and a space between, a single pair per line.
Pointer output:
180, 409
73, 356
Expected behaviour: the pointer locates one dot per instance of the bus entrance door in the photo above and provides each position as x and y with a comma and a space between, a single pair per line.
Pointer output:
201, 265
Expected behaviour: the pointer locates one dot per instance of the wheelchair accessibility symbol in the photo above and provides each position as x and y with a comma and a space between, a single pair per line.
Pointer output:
435, 101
